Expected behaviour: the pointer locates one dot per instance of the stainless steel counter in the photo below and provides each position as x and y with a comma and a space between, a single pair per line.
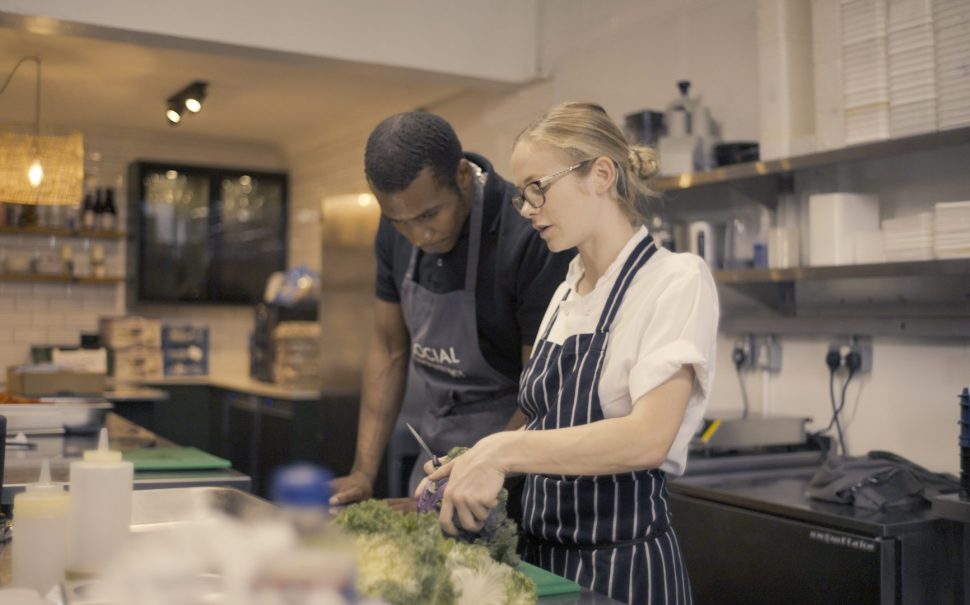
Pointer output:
22, 466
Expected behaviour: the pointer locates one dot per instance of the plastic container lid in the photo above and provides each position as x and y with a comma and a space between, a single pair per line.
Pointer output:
44, 487
301, 484
102, 455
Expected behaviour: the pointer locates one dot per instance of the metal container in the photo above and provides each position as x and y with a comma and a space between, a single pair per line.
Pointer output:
76, 415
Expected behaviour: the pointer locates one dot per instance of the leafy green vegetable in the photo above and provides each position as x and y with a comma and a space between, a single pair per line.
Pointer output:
406, 559
499, 533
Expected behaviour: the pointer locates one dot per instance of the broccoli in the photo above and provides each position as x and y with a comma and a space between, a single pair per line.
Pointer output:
407, 559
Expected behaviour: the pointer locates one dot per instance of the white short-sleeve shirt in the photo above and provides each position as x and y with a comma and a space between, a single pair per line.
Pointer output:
668, 318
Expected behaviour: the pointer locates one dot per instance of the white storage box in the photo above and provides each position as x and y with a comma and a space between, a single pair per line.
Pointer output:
834, 220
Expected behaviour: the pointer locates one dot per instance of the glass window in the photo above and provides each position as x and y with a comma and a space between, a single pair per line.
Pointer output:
207, 234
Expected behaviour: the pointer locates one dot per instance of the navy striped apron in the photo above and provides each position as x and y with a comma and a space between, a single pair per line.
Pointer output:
608, 533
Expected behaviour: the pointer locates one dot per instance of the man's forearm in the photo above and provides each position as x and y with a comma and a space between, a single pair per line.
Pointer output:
384, 376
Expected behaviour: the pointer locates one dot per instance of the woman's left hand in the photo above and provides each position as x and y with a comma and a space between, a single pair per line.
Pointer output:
474, 481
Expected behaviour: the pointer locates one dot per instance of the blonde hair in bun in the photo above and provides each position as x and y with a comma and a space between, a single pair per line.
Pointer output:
584, 130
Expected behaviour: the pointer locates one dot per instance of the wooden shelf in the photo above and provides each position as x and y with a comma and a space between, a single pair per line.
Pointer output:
854, 153
63, 279
48, 232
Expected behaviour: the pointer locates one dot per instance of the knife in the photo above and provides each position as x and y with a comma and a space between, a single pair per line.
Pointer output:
435, 462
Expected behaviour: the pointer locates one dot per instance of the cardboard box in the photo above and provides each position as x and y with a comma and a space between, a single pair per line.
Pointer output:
47, 379
136, 363
130, 331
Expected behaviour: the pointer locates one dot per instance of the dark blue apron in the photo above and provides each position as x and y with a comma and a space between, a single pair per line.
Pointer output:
608, 533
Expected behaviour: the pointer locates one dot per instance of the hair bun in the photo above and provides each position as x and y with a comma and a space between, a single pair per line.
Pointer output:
644, 161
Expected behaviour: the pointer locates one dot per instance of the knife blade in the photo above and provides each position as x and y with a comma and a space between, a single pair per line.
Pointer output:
424, 446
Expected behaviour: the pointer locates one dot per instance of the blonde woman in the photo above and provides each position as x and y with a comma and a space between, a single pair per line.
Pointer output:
618, 379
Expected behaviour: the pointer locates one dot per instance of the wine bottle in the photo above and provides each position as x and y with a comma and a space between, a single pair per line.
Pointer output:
87, 213
109, 218
98, 208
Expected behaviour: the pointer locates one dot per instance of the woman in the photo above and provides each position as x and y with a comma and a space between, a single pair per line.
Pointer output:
618, 379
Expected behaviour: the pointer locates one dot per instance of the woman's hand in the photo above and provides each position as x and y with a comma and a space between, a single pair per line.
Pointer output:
474, 481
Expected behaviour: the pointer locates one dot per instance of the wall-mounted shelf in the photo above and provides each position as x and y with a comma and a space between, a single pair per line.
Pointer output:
919, 298
954, 266
853, 153
49, 232
64, 279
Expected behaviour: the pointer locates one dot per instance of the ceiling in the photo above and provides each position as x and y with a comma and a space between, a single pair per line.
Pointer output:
276, 99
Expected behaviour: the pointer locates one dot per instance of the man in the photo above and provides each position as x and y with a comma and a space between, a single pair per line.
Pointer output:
462, 283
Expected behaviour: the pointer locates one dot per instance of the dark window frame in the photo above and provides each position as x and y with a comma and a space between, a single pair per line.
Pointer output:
136, 206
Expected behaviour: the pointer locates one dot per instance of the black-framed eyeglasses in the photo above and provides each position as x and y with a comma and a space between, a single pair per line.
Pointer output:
534, 192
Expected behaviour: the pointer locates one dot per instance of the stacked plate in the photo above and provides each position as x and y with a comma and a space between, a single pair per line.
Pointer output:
865, 70
952, 33
912, 78
909, 237
951, 234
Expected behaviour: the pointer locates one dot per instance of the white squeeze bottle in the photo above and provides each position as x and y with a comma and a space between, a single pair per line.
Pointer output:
101, 486
41, 517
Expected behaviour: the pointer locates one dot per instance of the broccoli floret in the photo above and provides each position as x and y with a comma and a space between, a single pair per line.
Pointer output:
478, 578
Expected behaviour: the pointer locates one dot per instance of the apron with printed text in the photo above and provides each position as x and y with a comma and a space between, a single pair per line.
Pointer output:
608, 533
463, 398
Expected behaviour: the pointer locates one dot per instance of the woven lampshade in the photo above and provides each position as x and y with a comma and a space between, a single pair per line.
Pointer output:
60, 154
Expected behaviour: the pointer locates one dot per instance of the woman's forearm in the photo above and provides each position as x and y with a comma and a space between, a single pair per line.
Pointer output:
637, 441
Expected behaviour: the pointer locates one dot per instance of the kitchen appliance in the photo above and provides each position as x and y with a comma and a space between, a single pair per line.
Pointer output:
644, 127
690, 135
750, 534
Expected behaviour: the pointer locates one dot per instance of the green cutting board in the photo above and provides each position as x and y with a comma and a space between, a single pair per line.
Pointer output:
547, 584
174, 459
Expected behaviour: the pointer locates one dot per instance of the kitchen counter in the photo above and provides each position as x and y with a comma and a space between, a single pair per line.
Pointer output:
238, 383
23, 466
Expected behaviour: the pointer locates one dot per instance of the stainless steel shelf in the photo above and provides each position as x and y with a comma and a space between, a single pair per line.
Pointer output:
956, 266
865, 151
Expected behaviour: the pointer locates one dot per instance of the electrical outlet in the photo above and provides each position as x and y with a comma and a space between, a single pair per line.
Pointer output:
853, 353
767, 353
860, 346
744, 352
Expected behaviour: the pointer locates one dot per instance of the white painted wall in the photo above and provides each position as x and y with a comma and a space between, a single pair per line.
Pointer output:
490, 40
627, 55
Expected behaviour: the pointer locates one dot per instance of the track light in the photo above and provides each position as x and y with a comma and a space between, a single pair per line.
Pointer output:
173, 113
189, 98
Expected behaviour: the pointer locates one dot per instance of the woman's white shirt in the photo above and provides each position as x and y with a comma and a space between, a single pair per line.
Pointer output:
667, 319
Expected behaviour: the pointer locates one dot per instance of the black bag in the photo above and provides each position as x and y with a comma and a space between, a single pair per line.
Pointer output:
878, 481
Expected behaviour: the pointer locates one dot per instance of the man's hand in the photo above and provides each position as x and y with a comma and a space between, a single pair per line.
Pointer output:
352, 488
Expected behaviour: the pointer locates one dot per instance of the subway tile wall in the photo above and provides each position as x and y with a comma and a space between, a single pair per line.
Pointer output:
54, 313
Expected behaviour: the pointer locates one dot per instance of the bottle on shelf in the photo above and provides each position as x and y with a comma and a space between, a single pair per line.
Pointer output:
101, 488
109, 217
322, 568
87, 212
98, 208
41, 518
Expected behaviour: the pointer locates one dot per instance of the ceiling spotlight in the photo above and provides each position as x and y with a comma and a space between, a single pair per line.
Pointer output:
189, 98
173, 113
194, 95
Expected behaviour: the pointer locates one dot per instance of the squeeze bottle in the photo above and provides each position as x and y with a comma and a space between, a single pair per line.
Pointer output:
41, 517
101, 486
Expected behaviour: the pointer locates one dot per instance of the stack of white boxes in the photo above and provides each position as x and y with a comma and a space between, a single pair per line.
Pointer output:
134, 346
866, 70
786, 97
952, 32
908, 238
828, 67
951, 229
912, 79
